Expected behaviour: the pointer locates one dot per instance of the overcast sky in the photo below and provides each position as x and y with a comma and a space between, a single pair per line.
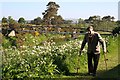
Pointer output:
30, 9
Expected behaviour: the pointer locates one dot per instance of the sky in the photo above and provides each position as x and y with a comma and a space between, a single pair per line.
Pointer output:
69, 9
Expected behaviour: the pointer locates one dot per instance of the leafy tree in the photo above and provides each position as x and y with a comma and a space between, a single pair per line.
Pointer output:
116, 30
108, 23
37, 21
10, 19
12, 23
68, 21
118, 23
112, 18
50, 13
5, 23
21, 20
81, 23
4, 20
95, 20
108, 18
58, 20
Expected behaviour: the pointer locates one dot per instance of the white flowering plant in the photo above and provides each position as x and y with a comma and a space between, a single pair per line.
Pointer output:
36, 60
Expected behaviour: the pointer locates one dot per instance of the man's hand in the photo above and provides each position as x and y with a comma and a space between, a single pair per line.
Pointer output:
80, 52
104, 51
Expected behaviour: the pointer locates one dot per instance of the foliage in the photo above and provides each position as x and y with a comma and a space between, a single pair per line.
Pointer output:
30, 40
21, 20
50, 16
113, 60
8, 42
4, 20
10, 20
118, 23
68, 21
116, 30
108, 18
49, 59
14, 25
26, 63
37, 21
105, 23
36, 60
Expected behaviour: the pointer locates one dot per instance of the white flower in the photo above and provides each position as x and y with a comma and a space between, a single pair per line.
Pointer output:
32, 53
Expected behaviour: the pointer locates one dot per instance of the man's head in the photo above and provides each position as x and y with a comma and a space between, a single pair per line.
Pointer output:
90, 29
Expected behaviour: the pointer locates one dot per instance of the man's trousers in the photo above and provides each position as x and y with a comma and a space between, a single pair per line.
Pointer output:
92, 66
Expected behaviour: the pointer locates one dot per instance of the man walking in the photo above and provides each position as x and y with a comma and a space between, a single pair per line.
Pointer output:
93, 52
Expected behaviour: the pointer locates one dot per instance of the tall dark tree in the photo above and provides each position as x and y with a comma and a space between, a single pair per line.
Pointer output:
51, 13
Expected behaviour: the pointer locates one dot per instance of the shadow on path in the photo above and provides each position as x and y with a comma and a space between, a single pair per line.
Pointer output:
112, 74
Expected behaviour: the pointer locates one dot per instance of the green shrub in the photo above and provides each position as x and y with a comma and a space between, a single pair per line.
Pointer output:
37, 61
8, 42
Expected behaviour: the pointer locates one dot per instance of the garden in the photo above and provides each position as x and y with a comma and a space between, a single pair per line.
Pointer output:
48, 47
50, 56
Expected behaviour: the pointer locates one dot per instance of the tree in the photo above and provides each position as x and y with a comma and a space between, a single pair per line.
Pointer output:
21, 20
59, 19
116, 30
37, 21
11, 20
81, 22
95, 20
118, 23
4, 20
68, 21
50, 13
112, 18
108, 23
12, 23
108, 18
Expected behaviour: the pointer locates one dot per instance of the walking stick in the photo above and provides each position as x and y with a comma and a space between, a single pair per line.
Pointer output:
78, 67
105, 61
104, 53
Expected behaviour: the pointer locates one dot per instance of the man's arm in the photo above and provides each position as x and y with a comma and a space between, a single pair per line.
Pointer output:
83, 43
102, 41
